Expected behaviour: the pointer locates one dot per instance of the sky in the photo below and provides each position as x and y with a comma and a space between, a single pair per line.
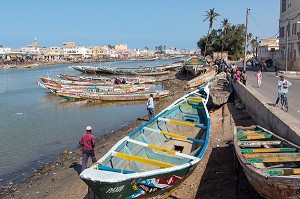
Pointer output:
138, 23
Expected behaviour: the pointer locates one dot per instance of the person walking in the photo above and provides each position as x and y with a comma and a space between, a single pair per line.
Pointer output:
87, 140
259, 77
244, 77
150, 107
283, 85
276, 69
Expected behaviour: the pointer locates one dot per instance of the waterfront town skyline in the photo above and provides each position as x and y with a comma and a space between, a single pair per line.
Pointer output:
135, 23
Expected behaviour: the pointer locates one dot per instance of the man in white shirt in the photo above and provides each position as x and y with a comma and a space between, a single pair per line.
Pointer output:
150, 107
283, 85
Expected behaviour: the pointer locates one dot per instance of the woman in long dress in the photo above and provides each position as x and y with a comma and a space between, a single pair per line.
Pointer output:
259, 77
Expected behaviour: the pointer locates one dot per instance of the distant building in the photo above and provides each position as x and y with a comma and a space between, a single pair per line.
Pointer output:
268, 49
69, 44
289, 30
77, 53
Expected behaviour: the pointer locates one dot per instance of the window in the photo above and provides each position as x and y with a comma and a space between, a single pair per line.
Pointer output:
294, 55
283, 6
281, 32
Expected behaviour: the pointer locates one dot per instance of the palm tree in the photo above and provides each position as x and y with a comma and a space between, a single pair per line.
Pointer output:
225, 26
211, 17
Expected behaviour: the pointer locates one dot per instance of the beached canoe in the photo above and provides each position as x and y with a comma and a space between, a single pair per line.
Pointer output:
156, 157
220, 89
270, 163
207, 75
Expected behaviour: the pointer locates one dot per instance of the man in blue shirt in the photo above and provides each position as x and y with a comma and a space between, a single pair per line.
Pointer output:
150, 107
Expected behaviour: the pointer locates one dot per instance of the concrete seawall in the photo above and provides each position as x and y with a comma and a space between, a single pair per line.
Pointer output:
271, 118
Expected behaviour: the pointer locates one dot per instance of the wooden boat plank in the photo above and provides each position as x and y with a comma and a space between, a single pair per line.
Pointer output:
263, 155
180, 122
190, 106
173, 135
172, 152
254, 137
268, 150
274, 159
283, 172
142, 160
257, 143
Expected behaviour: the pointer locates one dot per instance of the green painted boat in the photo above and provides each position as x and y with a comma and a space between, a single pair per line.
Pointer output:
270, 163
156, 157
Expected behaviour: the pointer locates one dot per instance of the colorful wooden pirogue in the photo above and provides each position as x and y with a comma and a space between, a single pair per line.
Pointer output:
220, 89
270, 163
208, 73
157, 156
141, 70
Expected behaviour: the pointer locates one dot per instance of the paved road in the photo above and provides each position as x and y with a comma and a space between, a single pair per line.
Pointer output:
269, 88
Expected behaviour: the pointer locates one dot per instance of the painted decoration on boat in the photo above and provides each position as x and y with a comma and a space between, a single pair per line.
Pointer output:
151, 185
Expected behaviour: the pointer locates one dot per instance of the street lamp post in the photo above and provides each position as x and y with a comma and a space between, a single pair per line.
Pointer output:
246, 40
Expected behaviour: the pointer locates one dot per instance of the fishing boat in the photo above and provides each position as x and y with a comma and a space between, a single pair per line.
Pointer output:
270, 163
220, 89
194, 66
148, 71
207, 74
132, 96
156, 157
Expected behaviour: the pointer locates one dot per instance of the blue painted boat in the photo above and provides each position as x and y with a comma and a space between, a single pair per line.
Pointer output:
156, 157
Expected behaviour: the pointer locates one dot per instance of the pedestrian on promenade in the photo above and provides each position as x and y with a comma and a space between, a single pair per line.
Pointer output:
276, 69
238, 75
283, 85
244, 77
259, 77
87, 140
150, 107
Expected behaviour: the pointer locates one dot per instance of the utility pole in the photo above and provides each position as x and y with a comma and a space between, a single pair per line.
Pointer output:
256, 47
286, 50
246, 39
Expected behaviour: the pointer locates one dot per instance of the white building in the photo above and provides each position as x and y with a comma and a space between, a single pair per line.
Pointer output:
79, 52
268, 49
289, 34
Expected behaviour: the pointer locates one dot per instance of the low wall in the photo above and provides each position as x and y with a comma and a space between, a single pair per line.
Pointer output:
271, 118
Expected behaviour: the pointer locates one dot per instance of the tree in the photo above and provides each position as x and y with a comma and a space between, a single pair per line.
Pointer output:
211, 16
225, 25
232, 41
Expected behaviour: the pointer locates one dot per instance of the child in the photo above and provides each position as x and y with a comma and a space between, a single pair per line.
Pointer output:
259, 77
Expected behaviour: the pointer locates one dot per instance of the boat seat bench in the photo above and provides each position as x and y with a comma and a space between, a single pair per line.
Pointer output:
141, 159
257, 143
172, 152
173, 135
268, 150
191, 124
268, 155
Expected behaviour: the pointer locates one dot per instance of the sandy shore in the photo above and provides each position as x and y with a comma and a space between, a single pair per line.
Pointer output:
214, 176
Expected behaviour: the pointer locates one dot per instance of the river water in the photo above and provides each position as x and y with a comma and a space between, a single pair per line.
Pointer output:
36, 125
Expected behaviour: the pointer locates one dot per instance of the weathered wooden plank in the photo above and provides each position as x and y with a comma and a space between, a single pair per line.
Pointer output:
162, 149
185, 123
254, 137
190, 106
194, 99
268, 150
283, 172
257, 143
274, 159
269, 155
173, 135
248, 131
142, 160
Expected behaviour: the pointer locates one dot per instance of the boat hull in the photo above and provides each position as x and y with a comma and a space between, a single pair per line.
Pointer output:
140, 187
269, 186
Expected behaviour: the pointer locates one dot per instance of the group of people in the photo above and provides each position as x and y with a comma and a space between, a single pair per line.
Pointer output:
118, 81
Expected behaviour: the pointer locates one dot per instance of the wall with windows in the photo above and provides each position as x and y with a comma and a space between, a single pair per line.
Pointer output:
289, 34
